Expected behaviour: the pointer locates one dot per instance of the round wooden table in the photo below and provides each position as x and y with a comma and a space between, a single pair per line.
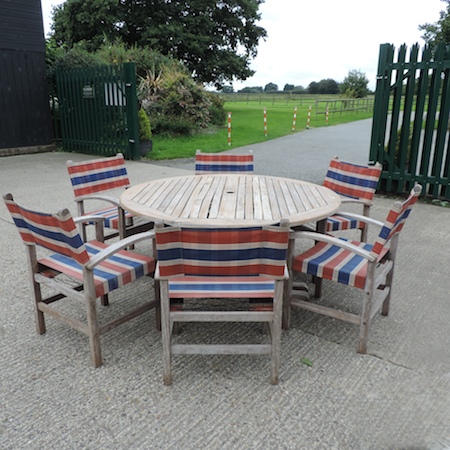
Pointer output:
230, 200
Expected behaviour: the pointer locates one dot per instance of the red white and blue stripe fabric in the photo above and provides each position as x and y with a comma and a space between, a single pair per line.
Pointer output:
337, 222
116, 271
335, 263
396, 219
98, 175
220, 163
221, 262
352, 180
111, 216
56, 232
220, 287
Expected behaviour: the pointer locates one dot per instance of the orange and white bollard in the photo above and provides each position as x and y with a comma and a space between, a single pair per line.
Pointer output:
326, 116
295, 119
229, 128
265, 122
308, 121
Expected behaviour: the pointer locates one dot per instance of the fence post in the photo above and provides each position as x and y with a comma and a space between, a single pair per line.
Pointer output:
308, 120
265, 122
134, 148
229, 128
295, 119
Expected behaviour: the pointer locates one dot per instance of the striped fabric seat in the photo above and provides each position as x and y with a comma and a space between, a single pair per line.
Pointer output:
111, 217
341, 223
358, 264
212, 287
353, 182
335, 263
91, 180
222, 163
120, 269
227, 263
96, 268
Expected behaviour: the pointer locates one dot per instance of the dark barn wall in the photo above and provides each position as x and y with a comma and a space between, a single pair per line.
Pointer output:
25, 119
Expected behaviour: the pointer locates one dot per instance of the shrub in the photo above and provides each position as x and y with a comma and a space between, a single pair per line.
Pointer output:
145, 131
176, 103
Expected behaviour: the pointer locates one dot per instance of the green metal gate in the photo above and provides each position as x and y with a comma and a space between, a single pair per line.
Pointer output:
98, 110
410, 132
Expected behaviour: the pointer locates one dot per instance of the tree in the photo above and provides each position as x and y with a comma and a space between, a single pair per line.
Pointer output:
227, 89
435, 33
298, 89
355, 84
328, 86
251, 90
215, 40
288, 87
270, 87
313, 88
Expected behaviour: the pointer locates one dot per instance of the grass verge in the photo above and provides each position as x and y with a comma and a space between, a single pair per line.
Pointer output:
247, 127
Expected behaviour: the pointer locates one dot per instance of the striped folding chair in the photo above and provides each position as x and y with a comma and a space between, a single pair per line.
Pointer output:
91, 180
222, 163
221, 264
365, 266
356, 184
77, 270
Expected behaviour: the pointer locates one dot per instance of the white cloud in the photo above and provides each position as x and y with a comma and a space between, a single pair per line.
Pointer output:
317, 39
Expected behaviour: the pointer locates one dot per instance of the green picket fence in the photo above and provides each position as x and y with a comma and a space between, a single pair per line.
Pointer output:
98, 110
411, 120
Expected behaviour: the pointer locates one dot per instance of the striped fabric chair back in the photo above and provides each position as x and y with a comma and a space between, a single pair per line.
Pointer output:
222, 163
352, 180
222, 252
98, 175
56, 232
396, 219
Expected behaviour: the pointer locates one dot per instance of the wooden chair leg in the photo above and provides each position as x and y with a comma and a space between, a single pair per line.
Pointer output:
276, 331
93, 329
318, 287
40, 319
165, 334
104, 300
366, 310
287, 288
36, 289
390, 276
364, 234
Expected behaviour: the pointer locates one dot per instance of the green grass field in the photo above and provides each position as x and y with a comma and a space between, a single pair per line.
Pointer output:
247, 125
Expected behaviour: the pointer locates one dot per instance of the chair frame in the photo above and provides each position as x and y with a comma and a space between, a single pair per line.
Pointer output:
99, 192
378, 281
84, 293
366, 201
169, 318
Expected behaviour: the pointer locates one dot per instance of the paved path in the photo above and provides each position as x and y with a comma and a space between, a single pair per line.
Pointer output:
397, 396
304, 155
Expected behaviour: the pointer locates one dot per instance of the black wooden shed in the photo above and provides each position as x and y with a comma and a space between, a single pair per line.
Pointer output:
25, 120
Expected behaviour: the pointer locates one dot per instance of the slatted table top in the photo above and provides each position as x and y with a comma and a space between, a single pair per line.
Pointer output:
230, 200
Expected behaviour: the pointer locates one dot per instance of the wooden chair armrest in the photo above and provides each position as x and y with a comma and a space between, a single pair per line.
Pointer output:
365, 219
88, 218
357, 201
120, 245
333, 241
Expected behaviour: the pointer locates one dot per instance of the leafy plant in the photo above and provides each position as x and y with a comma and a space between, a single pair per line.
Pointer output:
177, 104
145, 131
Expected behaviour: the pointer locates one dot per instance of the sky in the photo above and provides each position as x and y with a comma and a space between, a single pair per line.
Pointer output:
318, 39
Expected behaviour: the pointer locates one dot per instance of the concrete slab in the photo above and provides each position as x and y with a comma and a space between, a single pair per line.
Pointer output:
395, 397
